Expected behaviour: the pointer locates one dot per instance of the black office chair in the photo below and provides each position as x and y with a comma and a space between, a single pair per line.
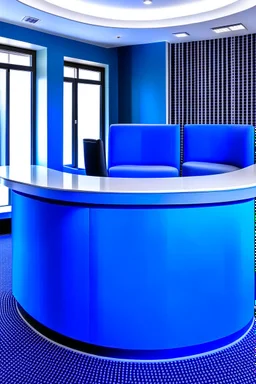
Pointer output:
94, 158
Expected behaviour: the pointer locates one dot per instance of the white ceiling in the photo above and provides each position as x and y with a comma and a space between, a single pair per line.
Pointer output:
163, 14
136, 3
198, 25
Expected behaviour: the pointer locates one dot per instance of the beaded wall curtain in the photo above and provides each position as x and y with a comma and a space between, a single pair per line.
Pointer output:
213, 82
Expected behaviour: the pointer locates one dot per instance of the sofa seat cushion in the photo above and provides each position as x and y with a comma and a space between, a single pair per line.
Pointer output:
143, 171
196, 168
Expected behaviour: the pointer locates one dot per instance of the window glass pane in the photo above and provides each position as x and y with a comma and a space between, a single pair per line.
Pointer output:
20, 59
89, 75
4, 57
67, 180
67, 124
69, 72
88, 116
4, 195
20, 118
4, 192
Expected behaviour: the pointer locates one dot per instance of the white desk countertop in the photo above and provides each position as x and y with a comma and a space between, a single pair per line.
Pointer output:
47, 183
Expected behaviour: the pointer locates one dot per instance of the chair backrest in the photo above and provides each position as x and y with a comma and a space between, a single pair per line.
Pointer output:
144, 144
219, 143
94, 158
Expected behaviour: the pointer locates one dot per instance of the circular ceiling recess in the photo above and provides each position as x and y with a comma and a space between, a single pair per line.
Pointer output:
135, 14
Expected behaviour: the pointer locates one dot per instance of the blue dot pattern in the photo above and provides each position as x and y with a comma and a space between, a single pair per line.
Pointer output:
27, 358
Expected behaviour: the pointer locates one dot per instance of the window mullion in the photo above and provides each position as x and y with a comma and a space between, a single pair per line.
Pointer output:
33, 117
7, 128
75, 125
102, 107
73, 78
16, 67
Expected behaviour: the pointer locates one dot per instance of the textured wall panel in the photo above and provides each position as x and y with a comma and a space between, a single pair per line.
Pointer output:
213, 82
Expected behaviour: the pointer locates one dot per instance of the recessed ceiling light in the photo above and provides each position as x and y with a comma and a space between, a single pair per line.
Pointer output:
181, 34
237, 27
221, 30
147, 2
229, 28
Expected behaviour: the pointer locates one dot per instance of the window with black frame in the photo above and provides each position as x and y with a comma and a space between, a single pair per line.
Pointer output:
17, 84
84, 109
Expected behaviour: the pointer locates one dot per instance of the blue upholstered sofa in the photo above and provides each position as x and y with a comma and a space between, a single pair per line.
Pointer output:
212, 148
144, 150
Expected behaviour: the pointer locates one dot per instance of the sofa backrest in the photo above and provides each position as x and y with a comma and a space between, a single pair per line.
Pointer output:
144, 144
219, 143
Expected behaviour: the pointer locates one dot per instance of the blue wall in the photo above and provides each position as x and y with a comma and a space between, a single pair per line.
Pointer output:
51, 72
137, 84
142, 83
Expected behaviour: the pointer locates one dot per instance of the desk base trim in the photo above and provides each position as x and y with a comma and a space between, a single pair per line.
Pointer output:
107, 352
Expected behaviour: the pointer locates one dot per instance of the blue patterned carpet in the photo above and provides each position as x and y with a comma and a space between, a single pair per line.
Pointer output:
27, 358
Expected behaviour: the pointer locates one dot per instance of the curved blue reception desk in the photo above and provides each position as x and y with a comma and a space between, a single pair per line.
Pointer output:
134, 268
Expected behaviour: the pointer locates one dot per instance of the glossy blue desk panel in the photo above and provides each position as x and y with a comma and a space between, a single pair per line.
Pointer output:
139, 268
141, 278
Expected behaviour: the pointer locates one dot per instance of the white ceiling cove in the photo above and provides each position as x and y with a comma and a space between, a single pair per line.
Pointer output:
158, 14
100, 22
